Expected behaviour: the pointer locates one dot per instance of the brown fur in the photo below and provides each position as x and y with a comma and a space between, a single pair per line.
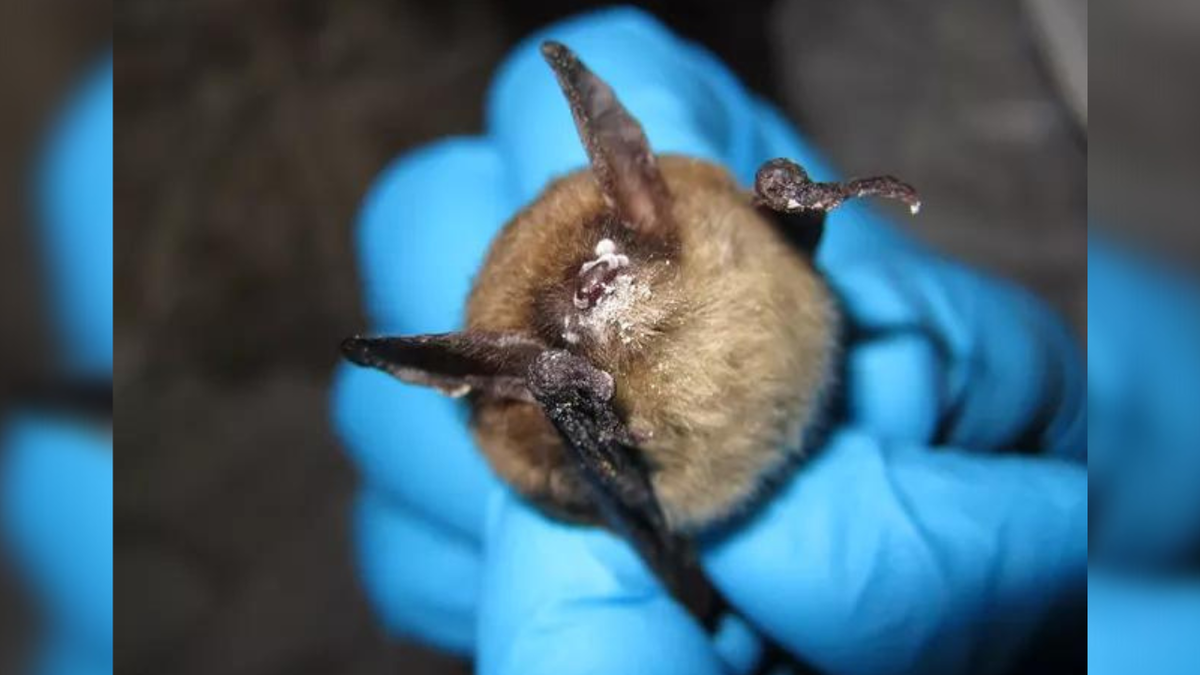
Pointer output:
720, 354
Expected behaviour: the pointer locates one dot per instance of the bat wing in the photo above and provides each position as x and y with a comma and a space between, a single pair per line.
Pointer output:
454, 363
577, 398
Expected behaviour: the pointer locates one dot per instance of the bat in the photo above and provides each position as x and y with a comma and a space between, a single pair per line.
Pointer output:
644, 345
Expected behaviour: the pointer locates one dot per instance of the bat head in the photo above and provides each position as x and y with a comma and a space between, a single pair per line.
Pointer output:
603, 279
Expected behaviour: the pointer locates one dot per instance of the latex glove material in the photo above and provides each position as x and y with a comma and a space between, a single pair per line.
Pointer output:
1143, 383
76, 197
1142, 625
57, 485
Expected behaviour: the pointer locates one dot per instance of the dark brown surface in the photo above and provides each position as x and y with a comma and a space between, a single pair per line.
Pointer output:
247, 133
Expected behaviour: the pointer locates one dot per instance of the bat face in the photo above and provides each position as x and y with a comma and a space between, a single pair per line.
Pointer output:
643, 346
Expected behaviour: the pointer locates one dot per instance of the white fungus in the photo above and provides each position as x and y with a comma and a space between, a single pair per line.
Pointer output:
606, 254
612, 309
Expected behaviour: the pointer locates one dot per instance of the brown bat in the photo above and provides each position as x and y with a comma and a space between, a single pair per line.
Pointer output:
644, 346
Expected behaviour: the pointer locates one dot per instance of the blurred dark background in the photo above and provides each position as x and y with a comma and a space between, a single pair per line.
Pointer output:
248, 131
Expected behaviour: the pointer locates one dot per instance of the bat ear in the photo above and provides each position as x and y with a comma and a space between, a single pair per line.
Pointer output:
620, 155
492, 364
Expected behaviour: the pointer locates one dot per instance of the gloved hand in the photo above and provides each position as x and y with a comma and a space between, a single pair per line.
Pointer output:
879, 556
56, 474
1143, 384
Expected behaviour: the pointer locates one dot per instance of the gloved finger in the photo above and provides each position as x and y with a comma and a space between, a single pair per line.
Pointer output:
877, 560
1142, 626
76, 196
985, 364
1143, 382
57, 491
413, 445
891, 345
422, 579
686, 101
564, 599
423, 232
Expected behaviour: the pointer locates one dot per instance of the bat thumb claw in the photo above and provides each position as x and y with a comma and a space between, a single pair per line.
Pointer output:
357, 349
556, 370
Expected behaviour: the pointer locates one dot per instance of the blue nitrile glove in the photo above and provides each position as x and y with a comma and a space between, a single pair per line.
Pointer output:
1143, 385
56, 474
880, 556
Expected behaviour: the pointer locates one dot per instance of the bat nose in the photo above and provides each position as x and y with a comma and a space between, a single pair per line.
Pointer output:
593, 284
